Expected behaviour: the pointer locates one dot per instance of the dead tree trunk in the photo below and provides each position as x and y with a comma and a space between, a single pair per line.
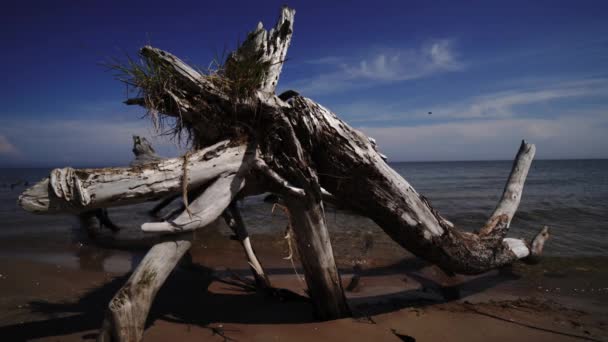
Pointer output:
244, 133
317, 258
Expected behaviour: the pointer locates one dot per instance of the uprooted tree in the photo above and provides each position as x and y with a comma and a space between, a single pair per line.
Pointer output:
246, 140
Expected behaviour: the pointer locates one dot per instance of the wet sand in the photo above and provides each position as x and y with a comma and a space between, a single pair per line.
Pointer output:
57, 292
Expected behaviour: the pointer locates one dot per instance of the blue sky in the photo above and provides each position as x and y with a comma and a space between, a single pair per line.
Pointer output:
491, 72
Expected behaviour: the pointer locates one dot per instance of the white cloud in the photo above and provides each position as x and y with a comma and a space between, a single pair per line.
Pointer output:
390, 65
6, 147
406, 65
502, 104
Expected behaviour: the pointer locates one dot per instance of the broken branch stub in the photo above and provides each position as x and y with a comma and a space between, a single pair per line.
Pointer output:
258, 62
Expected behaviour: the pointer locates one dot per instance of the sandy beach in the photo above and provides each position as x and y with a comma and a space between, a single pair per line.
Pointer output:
54, 292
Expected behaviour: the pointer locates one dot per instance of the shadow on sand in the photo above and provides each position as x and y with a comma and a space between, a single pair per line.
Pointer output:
185, 299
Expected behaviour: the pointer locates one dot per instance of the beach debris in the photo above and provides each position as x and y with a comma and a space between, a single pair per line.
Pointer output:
246, 140
354, 284
404, 338
221, 332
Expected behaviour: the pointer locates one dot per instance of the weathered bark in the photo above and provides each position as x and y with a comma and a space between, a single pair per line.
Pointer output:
301, 148
352, 170
265, 47
127, 312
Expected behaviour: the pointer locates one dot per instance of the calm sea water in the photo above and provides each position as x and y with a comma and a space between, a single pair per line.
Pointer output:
570, 196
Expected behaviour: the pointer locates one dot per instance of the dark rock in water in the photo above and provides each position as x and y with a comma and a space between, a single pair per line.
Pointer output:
353, 285
19, 182
272, 198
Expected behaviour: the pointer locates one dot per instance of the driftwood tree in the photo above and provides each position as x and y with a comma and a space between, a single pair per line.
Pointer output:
247, 140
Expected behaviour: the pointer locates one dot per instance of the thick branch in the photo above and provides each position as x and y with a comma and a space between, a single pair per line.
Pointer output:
74, 190
278, 183
205, 208
353, 170
511, 196
127, 312
233, 219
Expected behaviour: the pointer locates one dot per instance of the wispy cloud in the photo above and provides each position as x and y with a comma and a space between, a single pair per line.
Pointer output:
502, 104
385, 66
406, 65
580, 135
489, 126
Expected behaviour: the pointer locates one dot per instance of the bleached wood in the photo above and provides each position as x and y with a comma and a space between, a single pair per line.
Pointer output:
127, 312
74, 190
205, 208
509, 202
537, 245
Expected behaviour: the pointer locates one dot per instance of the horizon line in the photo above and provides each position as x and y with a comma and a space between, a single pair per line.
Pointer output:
89, 166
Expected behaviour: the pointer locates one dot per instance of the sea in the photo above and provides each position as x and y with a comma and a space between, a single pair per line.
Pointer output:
568, 196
